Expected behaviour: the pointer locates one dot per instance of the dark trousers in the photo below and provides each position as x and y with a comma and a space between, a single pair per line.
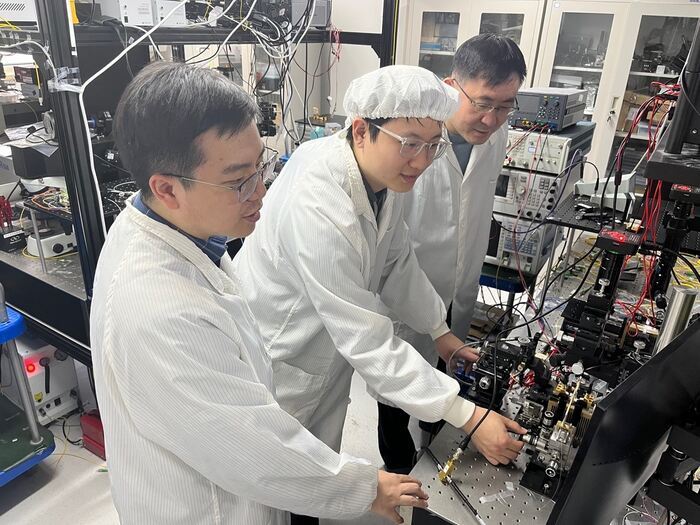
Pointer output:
395, 442
304, 520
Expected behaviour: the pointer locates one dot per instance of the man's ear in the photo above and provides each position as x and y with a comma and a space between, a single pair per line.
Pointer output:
166, 190
360, 132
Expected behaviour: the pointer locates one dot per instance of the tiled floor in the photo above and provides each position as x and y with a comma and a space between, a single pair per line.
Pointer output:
68, 488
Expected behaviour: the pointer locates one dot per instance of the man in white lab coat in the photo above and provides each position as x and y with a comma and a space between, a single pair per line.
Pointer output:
333, 250
193, 432
449, 211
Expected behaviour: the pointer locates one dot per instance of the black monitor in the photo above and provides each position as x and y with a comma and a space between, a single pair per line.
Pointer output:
627, 434
685, 124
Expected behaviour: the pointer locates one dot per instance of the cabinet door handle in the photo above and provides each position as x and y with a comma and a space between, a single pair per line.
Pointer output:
613, 108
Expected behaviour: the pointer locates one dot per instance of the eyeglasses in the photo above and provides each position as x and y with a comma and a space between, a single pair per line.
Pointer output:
247, 187
410, 149
481, 107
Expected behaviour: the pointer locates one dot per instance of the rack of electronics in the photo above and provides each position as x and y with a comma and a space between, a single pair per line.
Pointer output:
73, 184
611, 401
546, 143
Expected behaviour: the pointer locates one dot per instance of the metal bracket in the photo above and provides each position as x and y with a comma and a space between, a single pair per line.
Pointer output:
67, 79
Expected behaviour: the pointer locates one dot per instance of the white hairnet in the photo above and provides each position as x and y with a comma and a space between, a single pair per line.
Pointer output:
400, 91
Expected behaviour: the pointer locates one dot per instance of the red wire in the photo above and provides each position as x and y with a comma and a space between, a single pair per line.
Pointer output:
531, 301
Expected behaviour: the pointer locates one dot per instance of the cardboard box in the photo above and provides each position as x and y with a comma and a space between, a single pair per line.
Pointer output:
631, 103
660, 112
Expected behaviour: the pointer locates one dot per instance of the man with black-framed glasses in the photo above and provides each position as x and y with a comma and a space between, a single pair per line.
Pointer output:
334, 253
193, 432
449, 211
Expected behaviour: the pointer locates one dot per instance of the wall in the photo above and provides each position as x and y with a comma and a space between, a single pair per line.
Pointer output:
244, 52
351, 15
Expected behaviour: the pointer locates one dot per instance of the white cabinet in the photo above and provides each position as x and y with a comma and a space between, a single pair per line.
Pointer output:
433, 29
612, 49
517, 19
658, 37
581, 43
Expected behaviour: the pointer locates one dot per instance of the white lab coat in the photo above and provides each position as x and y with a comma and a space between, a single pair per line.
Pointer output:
192, 430
316, 272
449, 219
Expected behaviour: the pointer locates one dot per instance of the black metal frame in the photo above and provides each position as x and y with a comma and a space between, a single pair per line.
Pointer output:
680, 459
71, 135
60, 318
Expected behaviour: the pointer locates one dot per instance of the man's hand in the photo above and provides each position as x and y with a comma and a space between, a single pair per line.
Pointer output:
492, 439
450, 347
397, 490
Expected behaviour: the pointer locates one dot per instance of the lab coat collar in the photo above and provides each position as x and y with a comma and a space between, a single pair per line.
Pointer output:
494, 136
358, 193
478, 151
185, 247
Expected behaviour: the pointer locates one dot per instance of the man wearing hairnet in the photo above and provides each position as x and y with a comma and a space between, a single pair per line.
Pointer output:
449, 211
333, 252
193, 432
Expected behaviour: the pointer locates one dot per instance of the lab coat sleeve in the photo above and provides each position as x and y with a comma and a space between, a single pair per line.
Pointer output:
324, 248
407, 290
190, 390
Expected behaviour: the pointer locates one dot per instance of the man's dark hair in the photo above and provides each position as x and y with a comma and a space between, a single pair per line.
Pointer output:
163, 111
373, 131
489, 57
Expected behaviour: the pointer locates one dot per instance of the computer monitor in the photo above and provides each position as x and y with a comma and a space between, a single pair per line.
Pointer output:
627, 434
686, 117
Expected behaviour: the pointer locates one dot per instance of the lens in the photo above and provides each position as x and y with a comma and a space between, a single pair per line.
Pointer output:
249, 186
433, 149
269, 169
265, 172
440, 150
410, 150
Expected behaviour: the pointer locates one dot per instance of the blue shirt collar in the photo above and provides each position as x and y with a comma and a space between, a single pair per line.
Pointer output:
462, 150
214, 247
